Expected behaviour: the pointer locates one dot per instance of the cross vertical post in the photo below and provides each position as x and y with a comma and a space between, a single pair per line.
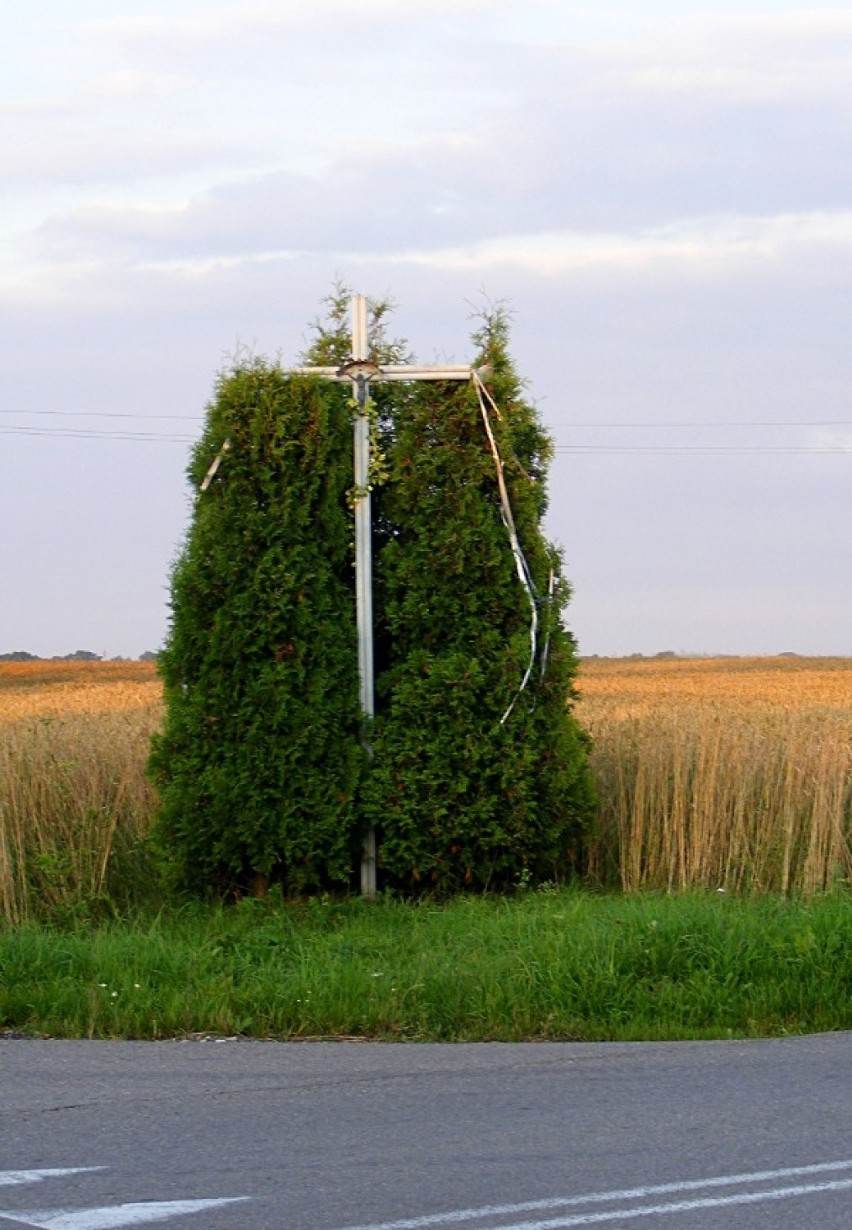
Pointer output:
359, 370
364, 558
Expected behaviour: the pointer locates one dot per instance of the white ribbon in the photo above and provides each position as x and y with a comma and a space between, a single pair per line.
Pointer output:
521, 565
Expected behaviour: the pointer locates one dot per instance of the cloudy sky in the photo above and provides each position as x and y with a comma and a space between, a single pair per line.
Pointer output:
662, 191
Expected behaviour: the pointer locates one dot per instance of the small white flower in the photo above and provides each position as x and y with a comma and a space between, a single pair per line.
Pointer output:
113, 994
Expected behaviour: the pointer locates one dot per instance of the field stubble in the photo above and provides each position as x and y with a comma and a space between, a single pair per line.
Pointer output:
711, 773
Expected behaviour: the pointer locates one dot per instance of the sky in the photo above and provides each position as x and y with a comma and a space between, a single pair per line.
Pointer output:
662, 193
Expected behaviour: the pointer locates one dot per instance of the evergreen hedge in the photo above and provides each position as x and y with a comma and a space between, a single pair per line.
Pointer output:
463, 793
260, 758
470, 781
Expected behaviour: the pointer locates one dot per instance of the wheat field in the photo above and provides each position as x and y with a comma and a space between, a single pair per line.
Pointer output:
74, 801
720, 773
725, 773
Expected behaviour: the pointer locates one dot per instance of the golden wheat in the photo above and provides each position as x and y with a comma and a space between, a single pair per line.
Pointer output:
58, 689
725, 773
718, 773
73, 743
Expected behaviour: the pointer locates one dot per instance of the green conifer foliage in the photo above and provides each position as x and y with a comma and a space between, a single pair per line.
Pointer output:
461, 794
476, 775
259, 761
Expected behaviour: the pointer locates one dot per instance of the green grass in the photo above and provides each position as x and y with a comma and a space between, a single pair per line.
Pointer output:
556, 965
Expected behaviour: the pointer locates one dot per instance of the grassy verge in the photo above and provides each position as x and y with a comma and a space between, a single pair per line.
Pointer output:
560, 965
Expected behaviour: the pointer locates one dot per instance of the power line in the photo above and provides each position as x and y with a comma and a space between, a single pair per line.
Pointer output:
71, 433
695, 449
565, 423
599, 450
612, 448
107, 414
685, 423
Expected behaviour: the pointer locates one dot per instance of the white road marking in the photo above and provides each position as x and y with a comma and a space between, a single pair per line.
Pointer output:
11, 1178
632, 1193
684, 1206
116, 1216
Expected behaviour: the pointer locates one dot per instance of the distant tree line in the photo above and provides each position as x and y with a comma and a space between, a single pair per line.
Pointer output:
79, 655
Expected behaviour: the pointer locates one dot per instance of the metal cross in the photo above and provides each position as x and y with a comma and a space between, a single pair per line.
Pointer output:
360, 370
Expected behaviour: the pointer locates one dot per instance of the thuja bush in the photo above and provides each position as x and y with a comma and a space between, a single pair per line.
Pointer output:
474, 773
476, 781
260, 757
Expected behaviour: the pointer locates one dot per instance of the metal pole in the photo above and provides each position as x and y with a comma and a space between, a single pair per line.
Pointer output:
364, 560
359, 371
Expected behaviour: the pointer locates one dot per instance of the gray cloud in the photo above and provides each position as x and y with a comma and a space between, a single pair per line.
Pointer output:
572, 138
670, 217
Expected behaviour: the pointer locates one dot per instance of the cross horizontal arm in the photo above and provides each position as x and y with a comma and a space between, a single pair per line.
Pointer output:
394, 371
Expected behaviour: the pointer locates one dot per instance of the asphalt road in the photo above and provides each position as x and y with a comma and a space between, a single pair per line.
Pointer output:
233, 1135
